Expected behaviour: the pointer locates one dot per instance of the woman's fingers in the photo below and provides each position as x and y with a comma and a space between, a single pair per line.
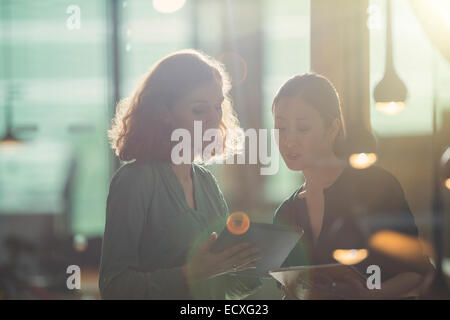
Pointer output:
244, 261
246, 266
239, 264
208, 243
229, 269
243, 254
228, 253
237, 258
243, 267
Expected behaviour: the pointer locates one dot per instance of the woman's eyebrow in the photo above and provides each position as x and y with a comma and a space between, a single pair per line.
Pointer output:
206, 101
198, 101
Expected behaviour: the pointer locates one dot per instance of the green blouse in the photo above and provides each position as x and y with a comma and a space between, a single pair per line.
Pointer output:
151, 231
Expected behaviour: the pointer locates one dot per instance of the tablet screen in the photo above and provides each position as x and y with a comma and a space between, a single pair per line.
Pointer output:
274, 241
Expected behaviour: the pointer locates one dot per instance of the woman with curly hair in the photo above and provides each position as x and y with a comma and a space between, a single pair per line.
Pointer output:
162, 217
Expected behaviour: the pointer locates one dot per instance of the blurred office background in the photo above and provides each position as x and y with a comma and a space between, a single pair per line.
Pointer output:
64, 64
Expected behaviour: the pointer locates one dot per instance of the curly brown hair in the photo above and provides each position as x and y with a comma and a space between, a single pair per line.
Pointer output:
138, 132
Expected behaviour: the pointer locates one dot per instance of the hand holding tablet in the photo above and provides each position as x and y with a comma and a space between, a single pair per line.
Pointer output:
328, 281
206, 264
275, 243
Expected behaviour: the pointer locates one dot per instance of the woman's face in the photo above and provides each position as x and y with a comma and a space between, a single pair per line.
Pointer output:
303, 138
202, 104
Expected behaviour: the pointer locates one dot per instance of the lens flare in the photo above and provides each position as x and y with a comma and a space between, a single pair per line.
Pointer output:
238, 223
349, 257
447, 183
399, 245
362, 160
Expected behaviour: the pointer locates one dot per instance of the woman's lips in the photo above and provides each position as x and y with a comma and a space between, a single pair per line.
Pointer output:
292, 156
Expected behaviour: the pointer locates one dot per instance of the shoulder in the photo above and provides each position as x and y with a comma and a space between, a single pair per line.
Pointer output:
376, 178
380, 174
133, 175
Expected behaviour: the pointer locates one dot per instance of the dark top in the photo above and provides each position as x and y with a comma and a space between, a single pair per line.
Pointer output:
357, 204
151, 232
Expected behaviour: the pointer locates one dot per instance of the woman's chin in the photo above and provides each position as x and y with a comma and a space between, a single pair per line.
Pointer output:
295, 165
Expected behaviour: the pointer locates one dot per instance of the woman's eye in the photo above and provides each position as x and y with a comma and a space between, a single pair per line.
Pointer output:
198, 110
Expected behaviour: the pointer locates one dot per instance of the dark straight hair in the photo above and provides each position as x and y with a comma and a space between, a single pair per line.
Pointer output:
319, 93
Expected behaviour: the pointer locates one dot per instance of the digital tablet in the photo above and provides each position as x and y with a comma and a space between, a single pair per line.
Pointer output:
302, 279
274, 241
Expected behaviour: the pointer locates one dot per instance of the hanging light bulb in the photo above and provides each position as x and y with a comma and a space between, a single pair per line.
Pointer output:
361, 148
390, 108
168, 6
362, 160
390, 93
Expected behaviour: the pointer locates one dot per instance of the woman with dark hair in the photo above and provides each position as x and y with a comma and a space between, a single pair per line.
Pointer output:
163, 216
312, 133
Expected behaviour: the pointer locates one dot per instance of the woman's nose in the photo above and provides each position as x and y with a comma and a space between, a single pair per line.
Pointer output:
214, 118
289, 140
